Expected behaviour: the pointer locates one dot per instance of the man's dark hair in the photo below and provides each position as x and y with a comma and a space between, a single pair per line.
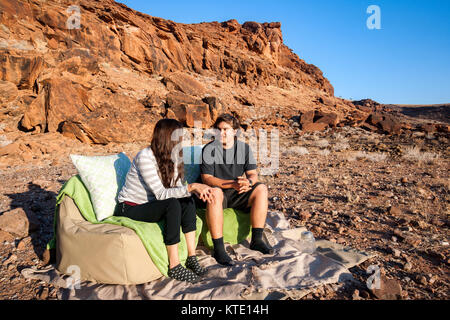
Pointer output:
228, 118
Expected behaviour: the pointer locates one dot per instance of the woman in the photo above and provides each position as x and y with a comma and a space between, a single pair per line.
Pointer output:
154, 191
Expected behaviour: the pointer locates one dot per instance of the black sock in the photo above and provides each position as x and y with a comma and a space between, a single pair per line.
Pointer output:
258, 243
220, 254
192, 264
182, 274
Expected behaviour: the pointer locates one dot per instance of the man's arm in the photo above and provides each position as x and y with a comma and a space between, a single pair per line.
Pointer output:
212, 181
252, 175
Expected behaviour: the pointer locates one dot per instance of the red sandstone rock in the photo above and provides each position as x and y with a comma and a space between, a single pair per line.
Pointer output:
307, 117
391, 125
331, 119
390, 289
17, 222
310, 127
8, 91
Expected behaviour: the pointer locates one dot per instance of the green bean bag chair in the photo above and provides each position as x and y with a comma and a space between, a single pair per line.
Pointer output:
236, 224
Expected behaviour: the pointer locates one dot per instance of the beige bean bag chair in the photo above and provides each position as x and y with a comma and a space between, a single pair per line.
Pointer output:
104, 253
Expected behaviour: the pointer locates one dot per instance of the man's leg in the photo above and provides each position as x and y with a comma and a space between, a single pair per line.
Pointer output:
259, 204
214, 214
214, 219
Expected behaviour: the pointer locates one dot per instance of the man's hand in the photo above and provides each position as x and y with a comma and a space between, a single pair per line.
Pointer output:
242, 185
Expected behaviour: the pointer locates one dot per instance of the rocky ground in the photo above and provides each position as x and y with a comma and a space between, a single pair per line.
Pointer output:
374, 192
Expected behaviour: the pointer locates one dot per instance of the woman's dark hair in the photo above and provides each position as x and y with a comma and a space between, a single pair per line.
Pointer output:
162, 146
228, 118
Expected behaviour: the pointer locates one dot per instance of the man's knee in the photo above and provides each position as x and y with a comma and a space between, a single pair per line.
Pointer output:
217, 193
260, 193
261, 190
218, 200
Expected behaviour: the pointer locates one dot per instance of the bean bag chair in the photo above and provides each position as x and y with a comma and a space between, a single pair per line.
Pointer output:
104, 253
118, 250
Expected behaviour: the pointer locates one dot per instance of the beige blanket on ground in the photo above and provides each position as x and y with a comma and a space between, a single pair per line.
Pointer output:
288, 273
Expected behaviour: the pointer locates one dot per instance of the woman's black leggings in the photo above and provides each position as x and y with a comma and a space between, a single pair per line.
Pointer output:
175, 212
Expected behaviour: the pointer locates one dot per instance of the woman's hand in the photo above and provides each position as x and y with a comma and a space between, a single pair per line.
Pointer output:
202, 191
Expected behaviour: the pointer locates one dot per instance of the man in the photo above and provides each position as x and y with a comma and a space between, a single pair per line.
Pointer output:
229, 167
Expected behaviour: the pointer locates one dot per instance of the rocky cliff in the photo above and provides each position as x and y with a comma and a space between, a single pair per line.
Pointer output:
93, 70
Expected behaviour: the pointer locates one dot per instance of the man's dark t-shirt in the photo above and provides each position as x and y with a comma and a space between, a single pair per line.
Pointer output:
227, 164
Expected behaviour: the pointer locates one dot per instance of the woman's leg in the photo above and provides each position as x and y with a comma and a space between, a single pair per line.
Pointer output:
189, 223
172, 252
155, 211
189, 226
170, 210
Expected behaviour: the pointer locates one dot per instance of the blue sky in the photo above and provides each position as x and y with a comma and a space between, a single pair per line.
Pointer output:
407, 61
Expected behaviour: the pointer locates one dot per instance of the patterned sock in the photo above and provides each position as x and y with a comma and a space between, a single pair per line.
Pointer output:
192, 263
220, 254
258, 243
182, 274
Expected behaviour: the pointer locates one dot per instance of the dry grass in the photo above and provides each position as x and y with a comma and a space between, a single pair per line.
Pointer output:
372, 156
323, 143
296, 151
414, 154
324, 152
340, 146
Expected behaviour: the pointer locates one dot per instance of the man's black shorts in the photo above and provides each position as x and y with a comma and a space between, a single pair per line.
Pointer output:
231, 199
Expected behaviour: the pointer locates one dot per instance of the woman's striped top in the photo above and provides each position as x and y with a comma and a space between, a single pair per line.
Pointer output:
143, 183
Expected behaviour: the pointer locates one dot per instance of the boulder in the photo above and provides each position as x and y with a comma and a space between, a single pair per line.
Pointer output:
232, 25
331, 119
198, 113
34, 117
390, 289
391, 125
8, 91
429, 128
307, 117
317, 126
21, 70
12, 148
188, 109
184, 83
107, 125
444, 128
177, 102
60, 101
6, 236
369, 127
327, 101
215, 107
375, 118
17, 222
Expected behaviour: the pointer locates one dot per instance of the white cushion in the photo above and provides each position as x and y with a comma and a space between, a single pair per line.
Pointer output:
103, 176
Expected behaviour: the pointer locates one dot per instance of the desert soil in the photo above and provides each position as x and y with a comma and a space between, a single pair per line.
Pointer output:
373, 192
